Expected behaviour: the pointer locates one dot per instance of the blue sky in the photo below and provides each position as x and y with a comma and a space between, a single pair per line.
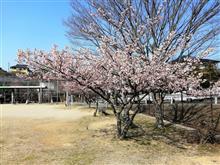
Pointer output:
31, 24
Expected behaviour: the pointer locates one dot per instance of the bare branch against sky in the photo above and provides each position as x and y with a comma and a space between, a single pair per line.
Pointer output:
128, 21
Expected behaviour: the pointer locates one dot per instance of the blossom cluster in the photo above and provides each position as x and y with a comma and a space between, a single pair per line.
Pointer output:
123, 71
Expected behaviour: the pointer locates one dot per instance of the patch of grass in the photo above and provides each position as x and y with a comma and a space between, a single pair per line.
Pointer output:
80, 158
29, 157
208, 148
2, 141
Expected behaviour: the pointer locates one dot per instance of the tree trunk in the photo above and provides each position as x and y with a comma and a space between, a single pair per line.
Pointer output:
182, 108
159, 116
158, 100
125, 122
126, 118
123, 125
119, 124
96, 110
175, 112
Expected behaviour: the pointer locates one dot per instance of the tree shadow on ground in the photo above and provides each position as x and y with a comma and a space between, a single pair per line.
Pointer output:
146, 132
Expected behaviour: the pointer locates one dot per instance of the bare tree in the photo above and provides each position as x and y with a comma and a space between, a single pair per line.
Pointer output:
130, 21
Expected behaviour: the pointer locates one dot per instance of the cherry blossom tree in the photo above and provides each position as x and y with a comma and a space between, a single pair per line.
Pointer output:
120, 77
159, 29
136, 41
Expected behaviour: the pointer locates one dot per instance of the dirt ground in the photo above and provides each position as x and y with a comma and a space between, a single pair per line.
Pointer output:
41, 111
55, 135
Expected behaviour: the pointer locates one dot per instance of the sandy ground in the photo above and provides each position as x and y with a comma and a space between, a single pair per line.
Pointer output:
40, 111
54, 135
30, 134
